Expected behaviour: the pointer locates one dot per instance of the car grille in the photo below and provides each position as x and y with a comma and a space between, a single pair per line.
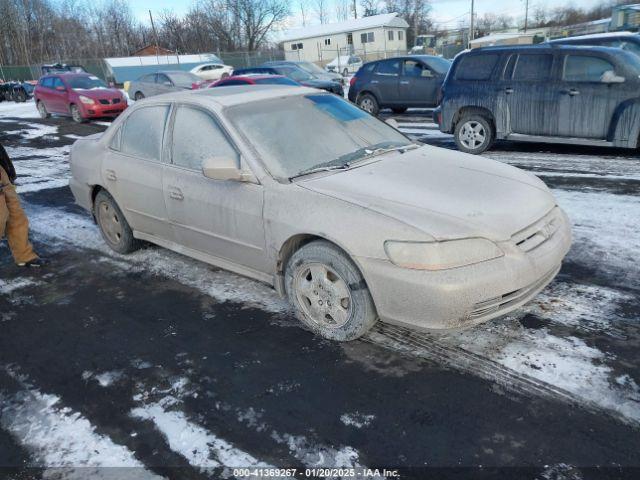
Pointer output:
108, 112
503, 302
535, 235
106, 101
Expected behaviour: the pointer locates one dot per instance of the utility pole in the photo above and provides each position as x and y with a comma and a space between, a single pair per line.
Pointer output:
155, 35
526, 14
471, 24
355, 11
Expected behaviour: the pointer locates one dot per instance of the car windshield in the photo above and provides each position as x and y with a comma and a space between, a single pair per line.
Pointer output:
295, 73
295, 135
440, 65
311, 67
85, 83
184, 79
275, 81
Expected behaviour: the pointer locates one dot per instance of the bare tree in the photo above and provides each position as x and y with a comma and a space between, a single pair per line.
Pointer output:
321, 10
370, 7
343, 9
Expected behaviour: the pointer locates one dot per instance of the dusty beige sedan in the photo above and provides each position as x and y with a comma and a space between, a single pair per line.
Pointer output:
334, 208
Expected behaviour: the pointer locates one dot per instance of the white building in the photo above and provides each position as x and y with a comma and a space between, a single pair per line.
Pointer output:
375, 35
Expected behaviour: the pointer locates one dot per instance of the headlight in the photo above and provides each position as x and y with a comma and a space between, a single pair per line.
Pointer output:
441, 255
86, 100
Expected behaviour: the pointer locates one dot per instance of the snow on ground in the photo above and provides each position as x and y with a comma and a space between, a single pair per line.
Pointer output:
60, 437
18, 110
357, 419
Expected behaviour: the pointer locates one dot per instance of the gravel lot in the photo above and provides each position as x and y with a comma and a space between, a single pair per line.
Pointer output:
166, 367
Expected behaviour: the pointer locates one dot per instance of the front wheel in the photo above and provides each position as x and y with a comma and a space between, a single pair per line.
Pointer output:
76, 115
474, 134
138, 96
345, 73
328, 292
368, 103
113, 226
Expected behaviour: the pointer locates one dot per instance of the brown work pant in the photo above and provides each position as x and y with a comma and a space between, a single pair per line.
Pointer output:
14, 222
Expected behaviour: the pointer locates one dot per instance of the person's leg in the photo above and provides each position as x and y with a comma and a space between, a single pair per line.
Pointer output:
17, 226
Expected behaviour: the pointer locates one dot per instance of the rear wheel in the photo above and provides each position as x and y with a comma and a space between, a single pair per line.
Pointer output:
345, 73
474, 134
368, 103
113, 226
225, 75
42, 110
76, 115
21, 96
138, 96
329, 293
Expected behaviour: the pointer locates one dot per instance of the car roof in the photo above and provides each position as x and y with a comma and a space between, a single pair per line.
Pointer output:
69, 74
234, 95
596, 36
545, 46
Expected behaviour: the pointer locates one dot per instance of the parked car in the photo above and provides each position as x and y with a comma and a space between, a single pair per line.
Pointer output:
345, 64
254, 79
543, 93
16, 91
624, 40
297, 75
61, 68
310, 68
337, 210
80, 95
399, 83
212, 71
163, 82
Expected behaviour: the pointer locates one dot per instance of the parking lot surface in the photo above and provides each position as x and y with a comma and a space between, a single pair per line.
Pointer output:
167, 367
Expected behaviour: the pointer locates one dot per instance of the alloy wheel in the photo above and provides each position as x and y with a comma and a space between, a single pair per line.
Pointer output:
472, 134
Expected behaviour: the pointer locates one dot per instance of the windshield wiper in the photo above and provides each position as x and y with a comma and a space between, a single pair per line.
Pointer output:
325, 168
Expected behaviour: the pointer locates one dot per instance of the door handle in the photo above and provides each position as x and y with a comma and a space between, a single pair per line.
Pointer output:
175, 193
375, 81
572, 91
111, 175
404, 82
508, 90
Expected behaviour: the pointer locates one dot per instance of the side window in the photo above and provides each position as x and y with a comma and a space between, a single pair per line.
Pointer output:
414, 69
163, 79
476, 67
400, 35
196, 137
144, 131
115, 140
47, 82
58, 83
388, 67
391, 35
531, 68
582, 68
227, 83
149, 78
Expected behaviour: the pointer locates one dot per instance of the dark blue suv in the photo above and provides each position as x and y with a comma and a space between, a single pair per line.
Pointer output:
544, 93
399, 83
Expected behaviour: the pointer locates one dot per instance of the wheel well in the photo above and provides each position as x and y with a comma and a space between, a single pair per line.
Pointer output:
485, 112
364, 92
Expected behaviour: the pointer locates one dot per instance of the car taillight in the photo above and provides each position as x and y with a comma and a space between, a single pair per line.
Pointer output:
352, 81
440, 95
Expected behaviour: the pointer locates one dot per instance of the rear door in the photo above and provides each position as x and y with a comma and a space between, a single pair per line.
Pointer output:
164, 84
418, 86
132, 170
217, 217
586, 103
530, 93
45, 93
385, 81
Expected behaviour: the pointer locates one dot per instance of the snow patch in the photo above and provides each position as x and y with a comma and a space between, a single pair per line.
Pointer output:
11, 285
104, 379
356, 419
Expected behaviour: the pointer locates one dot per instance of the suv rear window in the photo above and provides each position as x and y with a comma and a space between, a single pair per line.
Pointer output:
476, 67
388, 67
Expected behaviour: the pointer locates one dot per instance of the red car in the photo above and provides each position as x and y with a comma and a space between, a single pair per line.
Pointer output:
254, 79
81, 95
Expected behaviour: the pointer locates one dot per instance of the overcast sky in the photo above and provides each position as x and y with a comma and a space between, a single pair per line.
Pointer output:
447, 13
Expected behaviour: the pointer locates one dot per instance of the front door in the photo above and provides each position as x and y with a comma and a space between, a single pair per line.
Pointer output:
418, 85
219, 218
132, 170
587, 104
385, 81
59, 97
529, 92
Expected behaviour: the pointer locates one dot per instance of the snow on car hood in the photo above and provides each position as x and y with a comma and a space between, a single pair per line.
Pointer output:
445, 194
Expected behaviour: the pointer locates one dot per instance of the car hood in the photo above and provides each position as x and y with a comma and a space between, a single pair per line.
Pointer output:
318, 83
443, 193
99, 93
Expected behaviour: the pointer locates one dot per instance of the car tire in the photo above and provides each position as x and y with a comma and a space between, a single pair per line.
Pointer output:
114, 228
42, 110
345, 73
328, 292
224, 75
369, 104
399, 110
474, 134
21, 97
138, 96
75, 114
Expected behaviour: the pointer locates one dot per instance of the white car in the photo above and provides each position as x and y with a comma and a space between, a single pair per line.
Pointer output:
344, 64
212, 71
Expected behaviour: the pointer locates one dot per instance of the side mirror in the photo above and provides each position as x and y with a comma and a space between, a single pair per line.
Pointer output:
610, 77
224, 168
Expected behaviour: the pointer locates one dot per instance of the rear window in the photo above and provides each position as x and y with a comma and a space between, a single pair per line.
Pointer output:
388, 67
532, 67
476, 67
581, 68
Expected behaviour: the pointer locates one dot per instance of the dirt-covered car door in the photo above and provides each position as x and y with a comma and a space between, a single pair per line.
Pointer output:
222, 218
132, 170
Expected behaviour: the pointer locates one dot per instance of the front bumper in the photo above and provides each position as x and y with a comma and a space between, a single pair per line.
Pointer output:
98, 110
465, 296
